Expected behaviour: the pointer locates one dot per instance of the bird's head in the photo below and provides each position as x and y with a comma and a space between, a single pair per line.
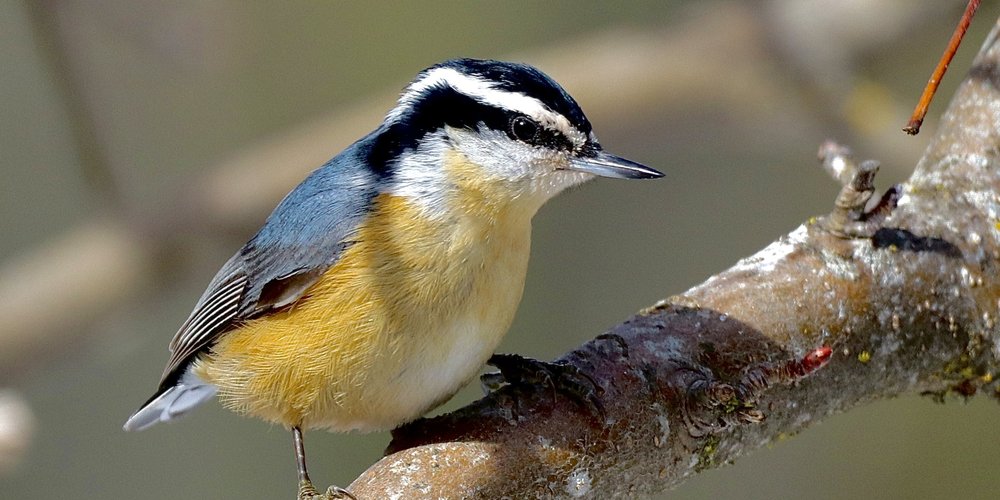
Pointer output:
504, 129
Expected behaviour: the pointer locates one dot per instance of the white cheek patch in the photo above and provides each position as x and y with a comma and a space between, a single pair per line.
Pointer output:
531, 174
528, 170
498, 155
420, 176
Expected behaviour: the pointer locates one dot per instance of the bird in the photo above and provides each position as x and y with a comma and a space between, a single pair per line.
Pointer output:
381, 284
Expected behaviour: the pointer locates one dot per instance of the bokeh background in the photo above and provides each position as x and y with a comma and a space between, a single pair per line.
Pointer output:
141, 142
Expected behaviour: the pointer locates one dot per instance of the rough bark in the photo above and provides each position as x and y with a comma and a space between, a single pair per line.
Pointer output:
848, 308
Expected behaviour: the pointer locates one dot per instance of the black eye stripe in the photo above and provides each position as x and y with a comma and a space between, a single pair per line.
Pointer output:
443, 105
539, 135
552, 139
436, 107
515, 77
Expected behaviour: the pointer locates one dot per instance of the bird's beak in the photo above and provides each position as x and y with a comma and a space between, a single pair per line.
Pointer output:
608, 165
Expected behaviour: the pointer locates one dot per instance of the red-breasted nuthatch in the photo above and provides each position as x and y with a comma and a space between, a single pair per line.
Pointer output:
382, 283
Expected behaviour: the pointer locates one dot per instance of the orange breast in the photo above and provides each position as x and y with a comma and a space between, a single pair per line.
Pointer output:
405, 317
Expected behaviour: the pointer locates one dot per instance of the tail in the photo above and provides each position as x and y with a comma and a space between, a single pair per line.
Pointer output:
171, 402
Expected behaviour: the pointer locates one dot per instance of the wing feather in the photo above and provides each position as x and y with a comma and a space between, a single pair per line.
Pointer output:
301, 239
223, 303
212, 314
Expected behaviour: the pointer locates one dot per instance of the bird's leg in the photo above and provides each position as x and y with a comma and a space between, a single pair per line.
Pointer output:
563, 377
306, 489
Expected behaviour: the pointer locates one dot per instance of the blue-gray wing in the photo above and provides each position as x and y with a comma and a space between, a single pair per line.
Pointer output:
302, 238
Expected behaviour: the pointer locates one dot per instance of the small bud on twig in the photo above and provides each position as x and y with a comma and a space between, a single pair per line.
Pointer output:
850, 217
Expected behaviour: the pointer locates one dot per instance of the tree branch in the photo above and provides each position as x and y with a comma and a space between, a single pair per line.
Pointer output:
907, 303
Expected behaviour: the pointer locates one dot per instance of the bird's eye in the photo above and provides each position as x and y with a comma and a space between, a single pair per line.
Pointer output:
523, 128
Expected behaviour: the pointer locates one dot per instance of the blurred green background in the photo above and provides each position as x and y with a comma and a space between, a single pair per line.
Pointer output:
146, 118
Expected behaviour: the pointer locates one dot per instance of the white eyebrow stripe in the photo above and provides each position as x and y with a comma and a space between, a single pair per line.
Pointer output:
484, 92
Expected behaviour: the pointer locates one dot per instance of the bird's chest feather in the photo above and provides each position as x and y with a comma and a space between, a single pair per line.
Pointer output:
405, 317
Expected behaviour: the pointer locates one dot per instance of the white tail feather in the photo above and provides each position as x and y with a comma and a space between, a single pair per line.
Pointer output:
189, 392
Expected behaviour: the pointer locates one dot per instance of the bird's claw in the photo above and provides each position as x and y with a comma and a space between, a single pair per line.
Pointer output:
562, 377
308, 492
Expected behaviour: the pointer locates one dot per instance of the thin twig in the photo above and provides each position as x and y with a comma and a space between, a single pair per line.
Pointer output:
917, 119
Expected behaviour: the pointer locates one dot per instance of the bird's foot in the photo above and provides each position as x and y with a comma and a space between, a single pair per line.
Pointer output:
561, 376
308, 492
